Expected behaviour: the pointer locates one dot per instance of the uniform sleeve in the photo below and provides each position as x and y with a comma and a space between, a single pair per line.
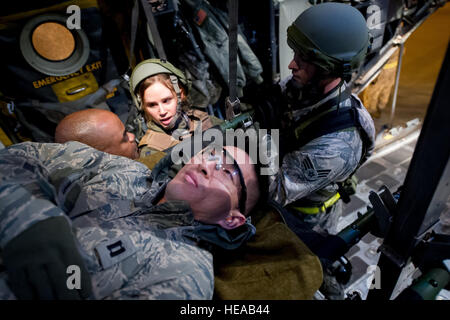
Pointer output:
26, 195
41, 180
163, 267
250, 63
324, 160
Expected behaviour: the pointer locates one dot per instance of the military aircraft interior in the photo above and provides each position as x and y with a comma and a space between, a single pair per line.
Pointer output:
393, 237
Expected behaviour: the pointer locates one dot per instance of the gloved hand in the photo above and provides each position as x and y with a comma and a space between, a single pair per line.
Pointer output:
37, 260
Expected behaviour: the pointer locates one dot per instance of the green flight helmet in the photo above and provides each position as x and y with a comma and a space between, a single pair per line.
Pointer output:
151, 67
333, 36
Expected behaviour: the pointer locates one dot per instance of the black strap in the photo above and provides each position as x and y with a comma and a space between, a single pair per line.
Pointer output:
153, 29
328, 122
335, 101
336, 120
232, 48
233, 107
332, 121
134, 25
186, 29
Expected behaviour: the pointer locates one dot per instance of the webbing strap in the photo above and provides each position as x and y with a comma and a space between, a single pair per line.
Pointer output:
233, 106
134, 25
318, 209
330, 121
153, 29
326, 119
305, 124
175, 85
232, 46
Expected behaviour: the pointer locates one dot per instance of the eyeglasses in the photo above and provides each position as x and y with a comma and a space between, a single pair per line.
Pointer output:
228, 166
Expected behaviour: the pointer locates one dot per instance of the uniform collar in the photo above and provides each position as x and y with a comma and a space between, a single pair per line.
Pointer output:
173, 214
181, 123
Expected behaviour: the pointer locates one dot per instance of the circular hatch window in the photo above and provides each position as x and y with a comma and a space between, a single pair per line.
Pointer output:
51, 48
53, 41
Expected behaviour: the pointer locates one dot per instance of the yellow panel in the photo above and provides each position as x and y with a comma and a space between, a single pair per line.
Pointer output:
111, 94
4, 138
75, 88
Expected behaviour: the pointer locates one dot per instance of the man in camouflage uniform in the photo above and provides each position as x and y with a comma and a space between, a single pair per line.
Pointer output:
100, 129
327, 51
138, 232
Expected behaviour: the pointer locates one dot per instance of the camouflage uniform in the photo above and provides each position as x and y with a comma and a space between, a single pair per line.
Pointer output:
111, 202
211, 25
311, 172
157, 139
205, 89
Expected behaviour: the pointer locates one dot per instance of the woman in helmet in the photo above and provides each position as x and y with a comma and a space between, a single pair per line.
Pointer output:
160, 91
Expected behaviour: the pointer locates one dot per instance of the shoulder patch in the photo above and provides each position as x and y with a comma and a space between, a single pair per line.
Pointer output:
310, 171
113, 251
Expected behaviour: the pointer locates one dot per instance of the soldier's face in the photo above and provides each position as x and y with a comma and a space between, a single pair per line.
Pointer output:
212, 193
119, 141
160, 104
302, 71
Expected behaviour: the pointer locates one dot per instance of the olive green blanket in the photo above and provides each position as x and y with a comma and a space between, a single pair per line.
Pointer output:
274, 265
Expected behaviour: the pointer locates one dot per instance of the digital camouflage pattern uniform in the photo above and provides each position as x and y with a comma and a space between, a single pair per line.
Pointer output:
311, 172
110, 199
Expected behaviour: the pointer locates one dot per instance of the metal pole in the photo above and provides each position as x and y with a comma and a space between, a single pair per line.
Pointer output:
397, 78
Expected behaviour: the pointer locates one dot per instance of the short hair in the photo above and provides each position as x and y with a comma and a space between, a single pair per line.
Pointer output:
81, 126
